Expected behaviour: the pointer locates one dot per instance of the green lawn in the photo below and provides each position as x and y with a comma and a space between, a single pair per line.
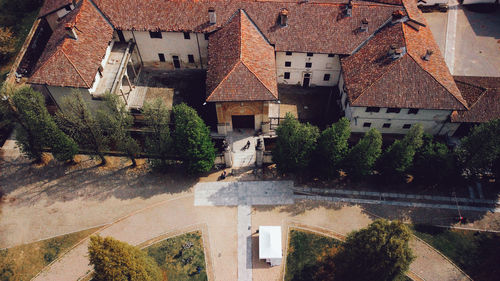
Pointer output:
25, 261
177, 263
477, 253
305, 252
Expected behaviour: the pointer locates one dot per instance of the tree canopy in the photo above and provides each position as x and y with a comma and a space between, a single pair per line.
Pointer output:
119, 261
361, 158
192, 140
295, 145
433, 163
332, 147
380, 252
158, 142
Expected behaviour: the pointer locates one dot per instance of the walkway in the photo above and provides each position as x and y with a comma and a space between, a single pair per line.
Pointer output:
237, 141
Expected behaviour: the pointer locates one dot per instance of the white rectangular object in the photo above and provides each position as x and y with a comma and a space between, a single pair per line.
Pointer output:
270, 243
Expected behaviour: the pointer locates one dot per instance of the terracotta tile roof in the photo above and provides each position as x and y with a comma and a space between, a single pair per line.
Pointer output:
74, 63
312, 27
241, 63
50, 6
374, 79
482, 95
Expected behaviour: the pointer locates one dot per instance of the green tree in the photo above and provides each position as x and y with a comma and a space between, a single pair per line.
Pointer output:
158, 142
332, 147
37, 130
433, 162
398, 158
79, 122
379, 252
116, 121
295, 145
478, 151
361, 159
7, 44
192, 140
119, 261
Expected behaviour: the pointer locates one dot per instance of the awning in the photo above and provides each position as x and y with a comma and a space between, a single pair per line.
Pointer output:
270, 242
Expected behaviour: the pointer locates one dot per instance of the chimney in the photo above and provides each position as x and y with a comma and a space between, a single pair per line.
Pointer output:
348, 9
427, 55
395, 53
364, 25
283, 17
397, 15
71, 31
212, 18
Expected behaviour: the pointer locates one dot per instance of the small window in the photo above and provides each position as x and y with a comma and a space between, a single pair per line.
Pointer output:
372, 109
310, 54
346, 102
161, 57
367, 124
386, 125
288, 53
326, 77
406, 126
288, 63
155, 34
68, 8
190, 58
393, 110
187, 35
287, 75
206, 36
308, 64
412, 111
331, 55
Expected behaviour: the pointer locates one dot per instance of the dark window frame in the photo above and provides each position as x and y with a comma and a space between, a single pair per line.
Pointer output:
161, 57
288, 63
406, 126
393, 110
331, 55
309, 64
372, 109
187, 36
326, 77
288, 53
386, 125
286, 75
310, 54
206, 36
155, 35
191, 58
413, 111
367, 125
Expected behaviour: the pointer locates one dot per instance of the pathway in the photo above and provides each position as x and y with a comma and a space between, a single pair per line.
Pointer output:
237, 141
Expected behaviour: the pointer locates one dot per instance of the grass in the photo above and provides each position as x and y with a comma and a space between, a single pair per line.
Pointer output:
177, 263
23, 262
477, 253
305, 252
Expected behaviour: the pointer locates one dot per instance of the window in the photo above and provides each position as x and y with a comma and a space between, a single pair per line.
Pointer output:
190, 58
331, 55
310, 54
287, 75
406, 126
206, 36
68, 8
367, 124
308, 64
326, 77
372, 109
386, 125
161, 57
288, 63
288, 53
187, 35
412, 111
155, 34
393, 110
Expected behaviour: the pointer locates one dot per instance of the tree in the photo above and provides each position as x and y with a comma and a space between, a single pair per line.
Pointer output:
478, 151
295, 145
396, 160
433, 162
119, 261
7, 44
37, 130
116, 121
379, 252
361, 159
192, 140
158, 142
332, 147
79, 122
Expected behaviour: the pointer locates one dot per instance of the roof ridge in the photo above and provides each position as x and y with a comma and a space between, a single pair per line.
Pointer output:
225, 78
72, 64
258, 78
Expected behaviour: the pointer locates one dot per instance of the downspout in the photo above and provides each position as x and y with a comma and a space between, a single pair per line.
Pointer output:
199, 51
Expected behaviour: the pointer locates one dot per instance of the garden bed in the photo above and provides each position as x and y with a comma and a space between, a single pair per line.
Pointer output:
181, 257
23, 262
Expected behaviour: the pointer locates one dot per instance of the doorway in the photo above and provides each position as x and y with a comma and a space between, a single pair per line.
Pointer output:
307, 79
243, 122
120, 36
177, 62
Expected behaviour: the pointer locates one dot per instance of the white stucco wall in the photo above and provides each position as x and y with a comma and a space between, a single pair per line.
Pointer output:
97, 77
171, 44
321, 65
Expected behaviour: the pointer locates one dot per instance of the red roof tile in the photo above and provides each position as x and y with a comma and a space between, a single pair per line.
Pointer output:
74, 63
241, 63
482, 95
50, 6
312, 27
